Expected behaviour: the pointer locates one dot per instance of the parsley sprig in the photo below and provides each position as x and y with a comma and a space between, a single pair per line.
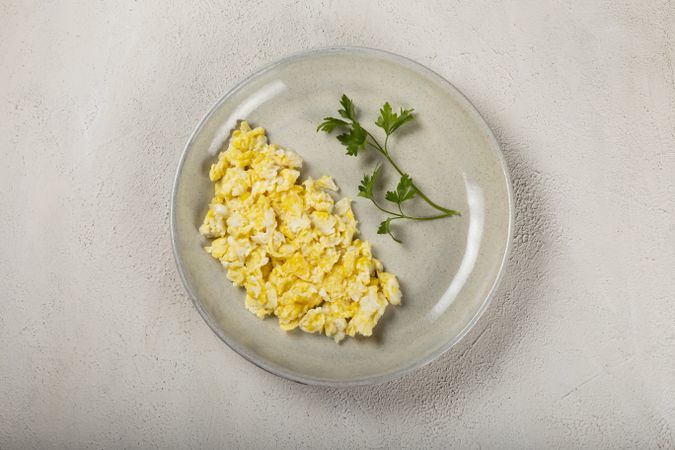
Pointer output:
356, 138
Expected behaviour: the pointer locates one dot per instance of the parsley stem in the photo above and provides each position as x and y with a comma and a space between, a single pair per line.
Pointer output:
385, 153
402, 215
432, 204
376, 145
393, 213
440, 216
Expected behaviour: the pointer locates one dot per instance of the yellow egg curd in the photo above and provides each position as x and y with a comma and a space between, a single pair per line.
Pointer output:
290, 245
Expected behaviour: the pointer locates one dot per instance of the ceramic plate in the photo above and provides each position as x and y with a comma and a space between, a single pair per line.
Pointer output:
448, 268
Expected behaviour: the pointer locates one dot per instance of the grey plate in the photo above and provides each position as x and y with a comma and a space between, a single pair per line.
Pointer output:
448, 268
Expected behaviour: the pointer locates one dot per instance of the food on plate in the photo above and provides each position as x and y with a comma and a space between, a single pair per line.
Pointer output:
356, 138
290, 244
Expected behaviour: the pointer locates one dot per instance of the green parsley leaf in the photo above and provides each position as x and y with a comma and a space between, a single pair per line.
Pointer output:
354, 140
384, 228
368, 183
389, 121
386, 118
348, 111
404, 191
330, 123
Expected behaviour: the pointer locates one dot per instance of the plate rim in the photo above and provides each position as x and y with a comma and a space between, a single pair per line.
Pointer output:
368, 380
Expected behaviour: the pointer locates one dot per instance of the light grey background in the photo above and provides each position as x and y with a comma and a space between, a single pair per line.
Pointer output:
100, 345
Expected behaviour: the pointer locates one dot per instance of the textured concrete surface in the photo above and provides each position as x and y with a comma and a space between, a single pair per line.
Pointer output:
100, 345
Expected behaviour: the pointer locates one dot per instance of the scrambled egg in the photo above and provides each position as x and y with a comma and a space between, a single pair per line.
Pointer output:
290, 245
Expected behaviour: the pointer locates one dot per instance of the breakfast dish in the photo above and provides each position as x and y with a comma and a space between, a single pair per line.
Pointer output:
448, 265
290, 245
